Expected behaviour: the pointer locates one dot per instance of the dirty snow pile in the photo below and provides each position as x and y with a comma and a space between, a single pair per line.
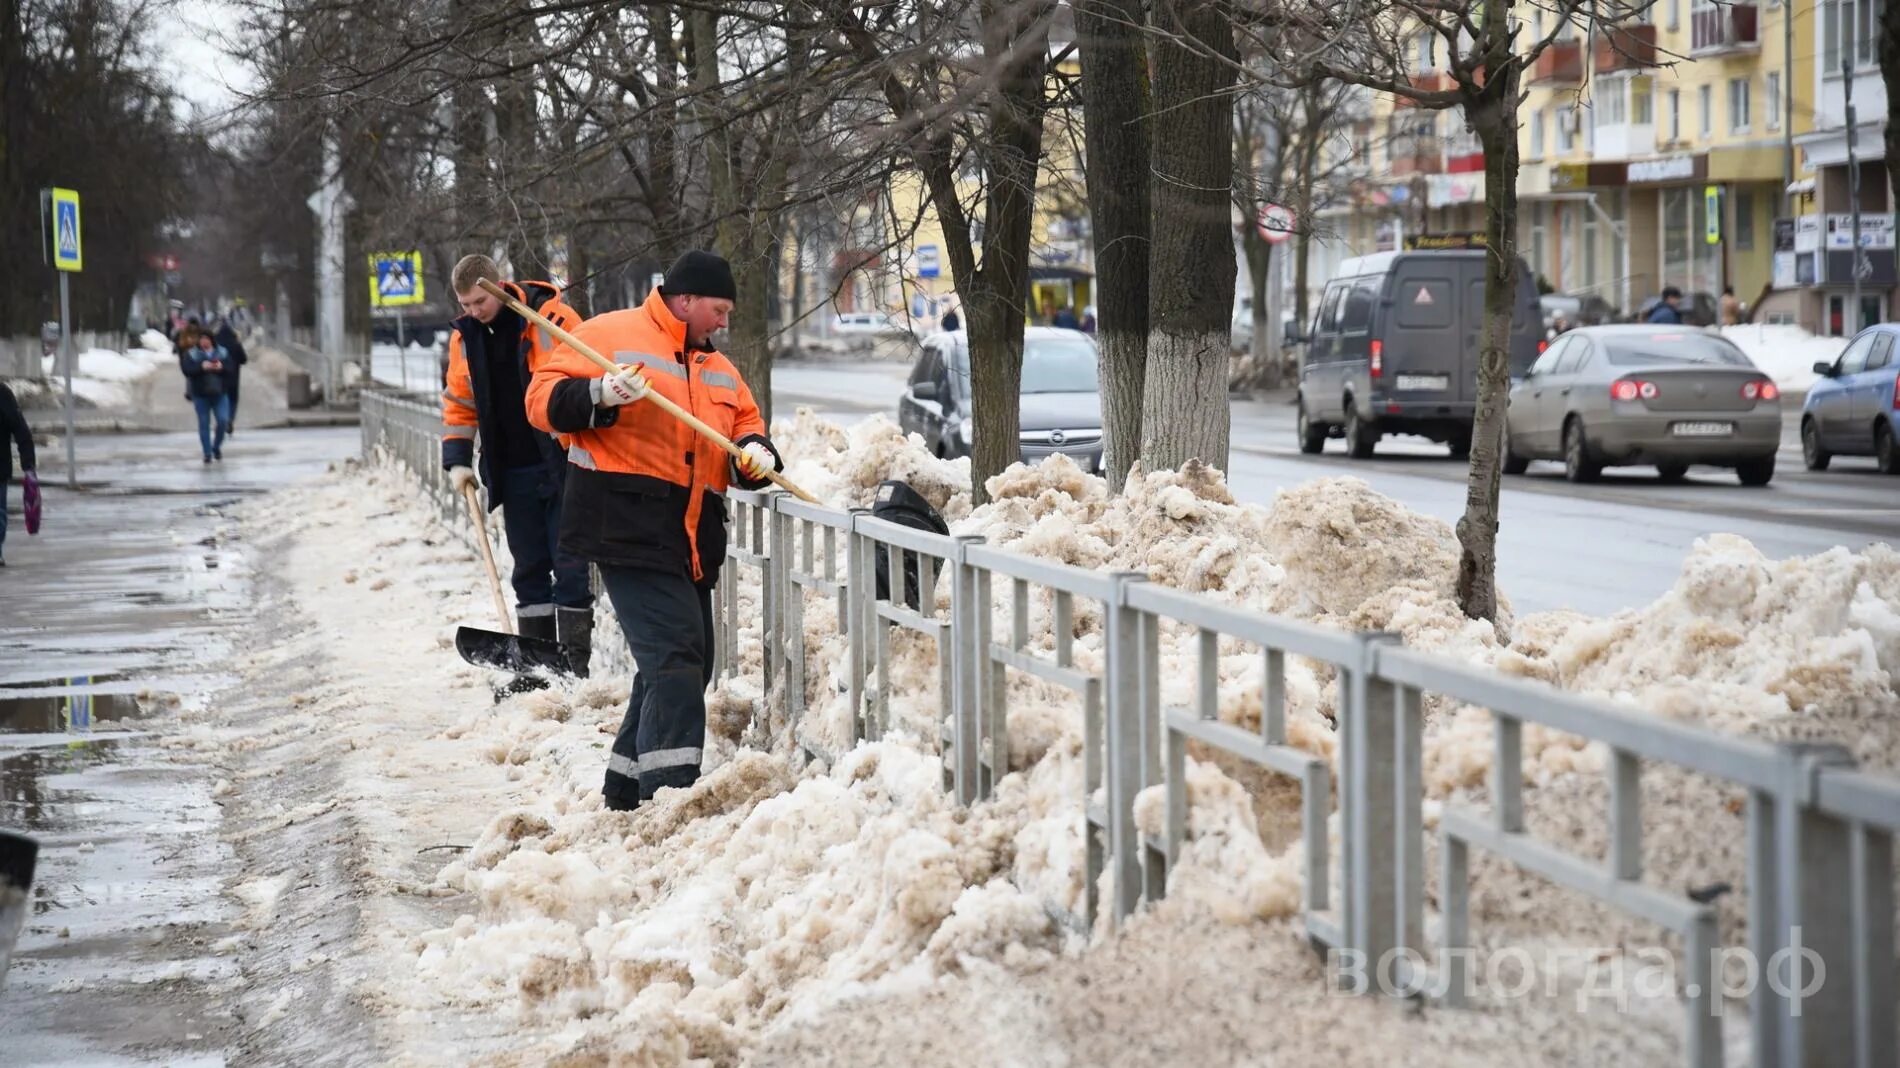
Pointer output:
103, 376
1786, 354
695, 927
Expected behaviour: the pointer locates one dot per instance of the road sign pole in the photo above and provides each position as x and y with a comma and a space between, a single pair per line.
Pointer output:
71, 358
402, 351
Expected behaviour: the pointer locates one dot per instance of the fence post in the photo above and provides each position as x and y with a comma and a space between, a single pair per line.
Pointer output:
777, 551
1123, 672
1371, 820
966, 672
1814, 888
860, 618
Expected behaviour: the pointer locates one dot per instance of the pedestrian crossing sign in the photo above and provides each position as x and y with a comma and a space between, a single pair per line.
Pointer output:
66, 250
395, 279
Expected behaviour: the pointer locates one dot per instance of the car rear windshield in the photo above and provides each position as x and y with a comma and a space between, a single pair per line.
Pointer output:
1059, 365
1673, 348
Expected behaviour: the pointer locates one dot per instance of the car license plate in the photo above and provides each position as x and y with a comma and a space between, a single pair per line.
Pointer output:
1411, 382
1702, 430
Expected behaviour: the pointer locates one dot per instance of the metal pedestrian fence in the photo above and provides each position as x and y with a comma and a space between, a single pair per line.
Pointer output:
1820, 875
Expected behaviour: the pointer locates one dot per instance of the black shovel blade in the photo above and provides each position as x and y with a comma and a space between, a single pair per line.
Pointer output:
511, 652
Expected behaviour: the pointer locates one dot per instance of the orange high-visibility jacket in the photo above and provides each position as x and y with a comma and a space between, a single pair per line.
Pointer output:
467, 403
642, 487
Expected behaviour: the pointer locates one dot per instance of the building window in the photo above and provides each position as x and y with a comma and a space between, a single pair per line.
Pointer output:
1566, 128
1642, 108
1611, 109
1744, 220
1738, 120
1425, 51
1706, 96
1675, 14
1845, 21
1675, 114
1537, 134
1772, 103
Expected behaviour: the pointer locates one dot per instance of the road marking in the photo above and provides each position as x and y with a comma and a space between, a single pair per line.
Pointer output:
1838, 511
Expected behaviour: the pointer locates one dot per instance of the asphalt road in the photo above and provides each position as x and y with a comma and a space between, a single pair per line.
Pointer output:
1595, 548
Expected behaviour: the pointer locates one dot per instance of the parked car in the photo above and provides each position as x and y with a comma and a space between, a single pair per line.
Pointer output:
864, 323
1854, 410
1698, 309
1612, 396
1586, 310
1061, 406
1394, 345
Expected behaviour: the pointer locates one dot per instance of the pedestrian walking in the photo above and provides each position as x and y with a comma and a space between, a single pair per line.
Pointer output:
1669, 310
204, 385
1731, 307
12, 426
644, 501
235, 358
493, 354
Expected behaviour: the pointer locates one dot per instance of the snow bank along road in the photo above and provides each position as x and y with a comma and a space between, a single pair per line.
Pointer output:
419, 876
1595, 548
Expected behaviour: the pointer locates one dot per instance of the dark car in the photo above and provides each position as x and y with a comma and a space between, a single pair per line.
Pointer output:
1672, 396
1061, 405
1854, 410
1394, 349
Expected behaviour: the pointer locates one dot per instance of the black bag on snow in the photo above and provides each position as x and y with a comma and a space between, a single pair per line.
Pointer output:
897, 503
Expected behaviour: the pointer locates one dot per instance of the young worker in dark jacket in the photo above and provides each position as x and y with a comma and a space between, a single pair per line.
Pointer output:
12, 428
492, 355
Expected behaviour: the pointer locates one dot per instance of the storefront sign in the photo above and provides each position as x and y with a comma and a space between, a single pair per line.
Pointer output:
1784, 270
1447, 189
1668, 169
1807, 233
1426, 242
1876, 231
1587, 176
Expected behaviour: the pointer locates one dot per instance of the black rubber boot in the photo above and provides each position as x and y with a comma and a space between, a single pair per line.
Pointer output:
528, 626
575, 627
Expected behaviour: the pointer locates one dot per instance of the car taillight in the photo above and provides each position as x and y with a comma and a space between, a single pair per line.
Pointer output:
1378, 358
1543, 346
1896, 394
1628, 389
1761, 389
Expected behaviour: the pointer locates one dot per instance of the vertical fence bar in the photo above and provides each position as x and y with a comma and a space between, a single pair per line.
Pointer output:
1454, 895
1816, 908
966, 609
1273, 697
856, 580
1124, 750
992, 687
1507, 771
1092, 753
1207, 687
1373, 824
1702, 998
1153, 862
1018, 614
1065, 628
1872, 865
1764, 917
1626, 815
1409, 725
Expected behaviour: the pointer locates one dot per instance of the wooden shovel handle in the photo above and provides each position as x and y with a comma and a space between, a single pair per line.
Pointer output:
613, 368
488, 556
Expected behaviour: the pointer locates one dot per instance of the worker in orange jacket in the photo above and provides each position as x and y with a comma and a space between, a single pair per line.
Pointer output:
644, 501
492, 355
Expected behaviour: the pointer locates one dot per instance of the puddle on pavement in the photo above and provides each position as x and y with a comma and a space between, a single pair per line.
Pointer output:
73, 705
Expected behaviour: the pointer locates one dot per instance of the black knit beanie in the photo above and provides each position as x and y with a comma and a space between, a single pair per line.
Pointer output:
700, 274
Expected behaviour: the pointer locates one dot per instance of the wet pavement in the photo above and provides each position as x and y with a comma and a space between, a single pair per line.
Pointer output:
112, 622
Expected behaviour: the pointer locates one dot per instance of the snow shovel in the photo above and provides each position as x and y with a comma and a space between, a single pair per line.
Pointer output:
503, 649
613, 368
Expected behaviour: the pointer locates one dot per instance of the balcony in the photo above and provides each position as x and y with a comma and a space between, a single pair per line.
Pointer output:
1717, 30
1423, 155
1431, 81
1625, 48
1560, 64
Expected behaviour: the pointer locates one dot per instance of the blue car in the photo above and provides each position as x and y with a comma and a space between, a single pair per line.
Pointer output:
1854, 410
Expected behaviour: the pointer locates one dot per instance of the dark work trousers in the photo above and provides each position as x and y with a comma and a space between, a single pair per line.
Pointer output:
544, 576
668, 622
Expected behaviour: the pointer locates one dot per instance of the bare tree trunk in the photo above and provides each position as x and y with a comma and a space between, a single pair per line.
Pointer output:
1264, 350
1493, 115
1115, 106
669, 231
1185, 413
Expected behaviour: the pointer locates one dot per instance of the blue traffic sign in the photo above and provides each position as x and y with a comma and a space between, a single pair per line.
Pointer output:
395, 279
66, 247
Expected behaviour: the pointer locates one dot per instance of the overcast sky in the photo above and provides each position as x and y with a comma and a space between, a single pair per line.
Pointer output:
193, 38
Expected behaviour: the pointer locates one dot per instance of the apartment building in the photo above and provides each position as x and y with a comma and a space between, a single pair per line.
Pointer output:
1650, 155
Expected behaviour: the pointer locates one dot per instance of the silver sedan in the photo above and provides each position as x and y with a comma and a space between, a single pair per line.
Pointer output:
1671, 396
